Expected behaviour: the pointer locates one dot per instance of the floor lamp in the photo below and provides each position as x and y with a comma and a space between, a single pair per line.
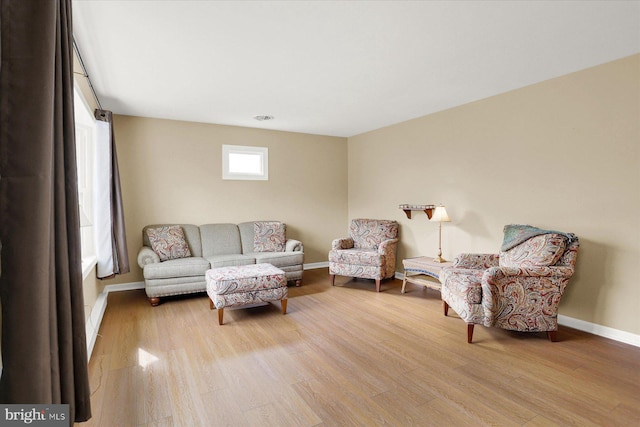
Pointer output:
440, 216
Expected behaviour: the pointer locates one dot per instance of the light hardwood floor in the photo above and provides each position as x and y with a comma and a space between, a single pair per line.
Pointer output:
346, 355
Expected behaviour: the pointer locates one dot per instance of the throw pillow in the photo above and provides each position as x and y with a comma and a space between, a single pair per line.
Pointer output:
168, 242
369, 233
540, 251
268, 236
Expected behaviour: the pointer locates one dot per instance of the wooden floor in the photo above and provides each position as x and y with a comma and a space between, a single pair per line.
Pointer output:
346, 355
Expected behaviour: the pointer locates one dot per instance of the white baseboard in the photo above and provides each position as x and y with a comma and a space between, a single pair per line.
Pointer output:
123, 287
94, 321
313, 265
603, 331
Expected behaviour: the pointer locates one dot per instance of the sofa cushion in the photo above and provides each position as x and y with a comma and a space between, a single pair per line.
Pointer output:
369, 233
168, 242
540, 251
357, 257
183, 267
230, 260
268, 236
278, 259
220, 239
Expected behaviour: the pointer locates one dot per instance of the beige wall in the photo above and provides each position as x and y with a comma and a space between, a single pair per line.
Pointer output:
563, 154
171, 172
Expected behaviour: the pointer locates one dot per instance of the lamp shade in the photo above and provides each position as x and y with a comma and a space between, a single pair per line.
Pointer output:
440, 215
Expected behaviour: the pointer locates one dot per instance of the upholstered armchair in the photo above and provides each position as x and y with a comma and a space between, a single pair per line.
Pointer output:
518, 289
369, 252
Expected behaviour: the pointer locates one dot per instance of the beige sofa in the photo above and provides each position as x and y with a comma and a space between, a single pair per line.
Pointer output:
212, 246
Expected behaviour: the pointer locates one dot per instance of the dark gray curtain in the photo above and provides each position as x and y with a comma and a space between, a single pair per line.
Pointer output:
119, 252
44, 349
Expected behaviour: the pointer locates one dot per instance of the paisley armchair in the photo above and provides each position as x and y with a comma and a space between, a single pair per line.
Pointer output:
519, 289
369, 252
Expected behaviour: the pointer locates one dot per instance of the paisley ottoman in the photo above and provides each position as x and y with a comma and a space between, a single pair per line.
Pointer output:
245, 285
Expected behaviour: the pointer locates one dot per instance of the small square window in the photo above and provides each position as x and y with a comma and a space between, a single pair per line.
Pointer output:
245, 163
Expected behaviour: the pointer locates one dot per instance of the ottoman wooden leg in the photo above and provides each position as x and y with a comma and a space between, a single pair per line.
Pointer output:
284, 306
220, 315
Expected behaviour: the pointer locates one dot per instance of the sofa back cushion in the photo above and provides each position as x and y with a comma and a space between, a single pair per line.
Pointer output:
369, 233
269, 236
220, 239
168, 242
540, 251
191, 234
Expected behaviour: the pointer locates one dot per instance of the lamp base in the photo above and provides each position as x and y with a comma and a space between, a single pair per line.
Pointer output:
439, 259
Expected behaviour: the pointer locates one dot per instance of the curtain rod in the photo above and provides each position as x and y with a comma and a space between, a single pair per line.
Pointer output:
85, 74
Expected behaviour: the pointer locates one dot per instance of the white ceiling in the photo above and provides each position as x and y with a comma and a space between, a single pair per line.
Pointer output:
336, 67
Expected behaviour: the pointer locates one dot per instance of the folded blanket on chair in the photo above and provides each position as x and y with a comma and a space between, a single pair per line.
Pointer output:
514, 234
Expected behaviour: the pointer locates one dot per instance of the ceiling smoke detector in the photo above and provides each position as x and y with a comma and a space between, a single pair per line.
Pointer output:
263, 118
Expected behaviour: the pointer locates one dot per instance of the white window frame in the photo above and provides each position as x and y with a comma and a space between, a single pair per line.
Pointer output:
85, 125
259, 174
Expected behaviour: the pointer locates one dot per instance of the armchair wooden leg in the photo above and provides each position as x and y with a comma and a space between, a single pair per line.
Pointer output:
469, 332
220, 316
377, 285
552, 335
284, 306
332, 278
445, 307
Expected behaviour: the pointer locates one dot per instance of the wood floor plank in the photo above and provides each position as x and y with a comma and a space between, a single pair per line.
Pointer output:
347, 355
186, 403
465, 398
152, 388
118, 408
222, 409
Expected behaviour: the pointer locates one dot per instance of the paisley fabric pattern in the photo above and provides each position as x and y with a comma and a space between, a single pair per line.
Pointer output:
252, 277
369, 252
353, 270
476, 261
357, 256
369, 233
522, 303
248, 284
247, 298
539, 251
467, 285
523, 296
268, 236
168, 242
463, 292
